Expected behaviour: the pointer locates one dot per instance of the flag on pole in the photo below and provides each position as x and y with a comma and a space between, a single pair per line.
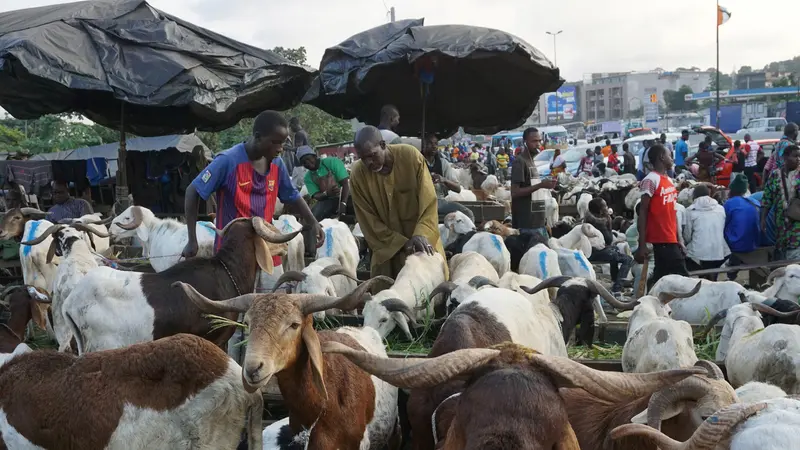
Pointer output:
722, 15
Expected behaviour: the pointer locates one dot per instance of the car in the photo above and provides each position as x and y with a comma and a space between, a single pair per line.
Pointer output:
764, 125
724, 146
543, 159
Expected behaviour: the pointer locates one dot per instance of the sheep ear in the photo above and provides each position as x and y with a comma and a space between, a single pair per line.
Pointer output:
263, 256
141, 233
311, 341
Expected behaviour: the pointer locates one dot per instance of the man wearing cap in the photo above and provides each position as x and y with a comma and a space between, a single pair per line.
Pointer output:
327, 182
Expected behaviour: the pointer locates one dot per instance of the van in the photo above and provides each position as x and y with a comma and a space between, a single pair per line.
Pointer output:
764, 125
555, 136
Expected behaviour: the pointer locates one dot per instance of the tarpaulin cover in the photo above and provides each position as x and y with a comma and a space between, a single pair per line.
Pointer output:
90, 57
483, 79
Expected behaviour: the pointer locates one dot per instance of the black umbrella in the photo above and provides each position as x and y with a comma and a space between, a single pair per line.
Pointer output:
439, 77
127, 65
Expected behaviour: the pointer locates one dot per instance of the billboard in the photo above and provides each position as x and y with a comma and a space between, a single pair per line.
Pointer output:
651, 108
562, 104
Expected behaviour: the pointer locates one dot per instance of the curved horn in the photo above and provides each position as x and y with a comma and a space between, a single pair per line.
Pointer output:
397, 305
661, 401
32, 212
238, 304
271, 236
225, 229
313, 303
39, 239
776, 274
413, 373
546, 284
290, 275
713, 322
87, 229
706, 437
66, 221
666, 297
713, 370
480, 281
105, 221
137, 219
598, 289
445, 287
337, 269
764, 309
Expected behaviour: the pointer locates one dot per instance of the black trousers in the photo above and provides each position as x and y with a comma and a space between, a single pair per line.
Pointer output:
692, 266
668, 259
620, 264
750, 173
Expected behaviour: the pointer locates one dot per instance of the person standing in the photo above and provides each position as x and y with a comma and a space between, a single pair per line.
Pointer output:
394, 201
776, 158
559, 164
779, 191
598, 155
390, 119
607, 150
587, 163
707, 161
613, 159
298, 138
681, 151
523, 172
666, 144
704, 232
502, 164
751, 162
658, 219
628, 159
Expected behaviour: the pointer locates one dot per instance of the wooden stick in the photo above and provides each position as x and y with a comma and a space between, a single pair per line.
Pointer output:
643, 279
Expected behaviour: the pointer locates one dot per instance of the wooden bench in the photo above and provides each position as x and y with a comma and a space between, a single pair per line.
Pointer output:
758, 272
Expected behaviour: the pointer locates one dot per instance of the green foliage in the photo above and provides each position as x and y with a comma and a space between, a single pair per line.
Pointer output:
51, 133
725, 81
297, 55
675, 100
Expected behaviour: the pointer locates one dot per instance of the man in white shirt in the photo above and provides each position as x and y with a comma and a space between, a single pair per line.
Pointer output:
642, 166
751, 162
390, 119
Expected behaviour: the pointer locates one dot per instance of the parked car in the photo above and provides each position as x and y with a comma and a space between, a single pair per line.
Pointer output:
764, 125
724, 146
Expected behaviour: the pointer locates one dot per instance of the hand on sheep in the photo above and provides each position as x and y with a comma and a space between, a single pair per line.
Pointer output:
190, 251
418, 244
320, 234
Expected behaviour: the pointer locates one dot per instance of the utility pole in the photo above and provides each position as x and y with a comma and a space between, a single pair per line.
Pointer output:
555, 62
718, 86
391, 13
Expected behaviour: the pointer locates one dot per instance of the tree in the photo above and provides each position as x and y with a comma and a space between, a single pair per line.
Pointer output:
297, 55
745, 69
725, 81
675, 100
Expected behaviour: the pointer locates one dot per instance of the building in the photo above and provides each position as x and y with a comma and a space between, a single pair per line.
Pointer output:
751, 80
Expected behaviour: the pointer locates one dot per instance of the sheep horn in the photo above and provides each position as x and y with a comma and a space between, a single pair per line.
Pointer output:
546, 284
666, 297
764, 309
310, 303
660, 401
32, 212
271, 236
137, 219
225, 229
337, 269
779, 272
713, 322
742, 297
238, 304
445, 287
480, 281
598, 289
105, 221
706, 437
397, 305
87, 229
713, 370
289, 275
39, 239
414, 373
69, 221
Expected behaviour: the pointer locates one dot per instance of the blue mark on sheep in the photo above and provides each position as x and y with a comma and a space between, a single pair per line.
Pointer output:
26, 249
498, 245
209, 227
329, 242
581, 260
543, 264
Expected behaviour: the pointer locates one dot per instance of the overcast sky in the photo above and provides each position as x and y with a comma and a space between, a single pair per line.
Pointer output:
614, 35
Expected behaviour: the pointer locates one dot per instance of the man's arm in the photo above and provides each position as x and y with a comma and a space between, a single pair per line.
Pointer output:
383, 242
447, 179
203, 186
428, 221
518, 177
641, 223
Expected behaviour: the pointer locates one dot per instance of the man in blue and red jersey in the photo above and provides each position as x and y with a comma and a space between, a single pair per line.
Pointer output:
248, 179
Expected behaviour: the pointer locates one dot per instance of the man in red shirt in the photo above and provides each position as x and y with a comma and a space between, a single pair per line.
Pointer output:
658, 218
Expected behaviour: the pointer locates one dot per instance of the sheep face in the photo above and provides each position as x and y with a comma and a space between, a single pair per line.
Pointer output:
496, 227
378, 316
787, 282
458, 223
734, 313
63, 240
132, 215
13, 222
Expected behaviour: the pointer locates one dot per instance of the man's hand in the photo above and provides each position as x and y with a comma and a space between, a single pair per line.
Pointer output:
641, 254
418, 244
683, 248
333, 191
320, 234
436, 178
547, 184
190, 251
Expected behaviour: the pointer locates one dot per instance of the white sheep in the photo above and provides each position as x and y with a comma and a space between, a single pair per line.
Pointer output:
464, 268
583, 238
786, 283
324, 276
295, 258
492, 248
756, 391
583, 204
96, 241
464, 196
540, 262
339, 244
713, 297
455, 224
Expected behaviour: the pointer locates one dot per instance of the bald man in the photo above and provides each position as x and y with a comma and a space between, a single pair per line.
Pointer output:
390, 119
394, 200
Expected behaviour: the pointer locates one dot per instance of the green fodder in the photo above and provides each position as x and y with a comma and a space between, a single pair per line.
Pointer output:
219, 322
40, 340
596, 351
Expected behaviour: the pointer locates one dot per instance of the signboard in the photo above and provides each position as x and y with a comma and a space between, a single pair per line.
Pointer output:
562, 104
651, 108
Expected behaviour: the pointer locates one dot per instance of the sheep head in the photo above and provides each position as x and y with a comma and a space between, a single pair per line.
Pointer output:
786, 282
458, 222
271, 242
63, 238
13, 222
498, 228
129, 223
385, 311
280, 328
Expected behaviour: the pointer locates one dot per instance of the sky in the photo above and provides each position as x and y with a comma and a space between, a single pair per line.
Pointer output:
600, 36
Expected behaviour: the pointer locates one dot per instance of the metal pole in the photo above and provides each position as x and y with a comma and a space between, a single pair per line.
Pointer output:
555, 62
718, 86
555, 54
391, 13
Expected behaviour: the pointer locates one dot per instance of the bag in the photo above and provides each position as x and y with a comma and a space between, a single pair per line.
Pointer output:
326, 182
792, 211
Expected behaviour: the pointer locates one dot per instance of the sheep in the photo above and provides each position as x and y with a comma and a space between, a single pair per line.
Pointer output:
295, 258
582, 238
583, 204
771, 424
654, 340
491, 186
784, 282
77, 260
492, 247
97, 241
396, 307
27, 224
754, 353
576, 299
540, 262
318, 279
176, 392
464, 196
22, 303
162, 240
506, 390
339, 244
341, 406
455, 224
111, 309
464, 267
678, 407
713, 297
755, 391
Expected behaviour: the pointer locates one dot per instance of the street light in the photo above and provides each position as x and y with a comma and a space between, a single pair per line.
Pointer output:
555, 62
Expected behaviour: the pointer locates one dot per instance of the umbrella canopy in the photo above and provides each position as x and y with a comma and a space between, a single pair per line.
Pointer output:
482, 79
172, 76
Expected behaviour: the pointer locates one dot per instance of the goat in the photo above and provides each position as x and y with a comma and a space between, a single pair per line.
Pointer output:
655, 341
771, 424
398, 306
295, 257
339, 244
22, 305
754, 353
786, 283
507, 390
316, 278
464, 267
325, 394
112, 309
77, 260
713, 297
162, 240
576, 300
177, 392
492, 248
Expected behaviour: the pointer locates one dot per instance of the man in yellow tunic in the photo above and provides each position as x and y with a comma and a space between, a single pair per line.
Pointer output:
394, 201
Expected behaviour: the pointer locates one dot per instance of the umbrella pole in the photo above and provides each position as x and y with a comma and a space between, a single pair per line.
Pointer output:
424, 101
122, 174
